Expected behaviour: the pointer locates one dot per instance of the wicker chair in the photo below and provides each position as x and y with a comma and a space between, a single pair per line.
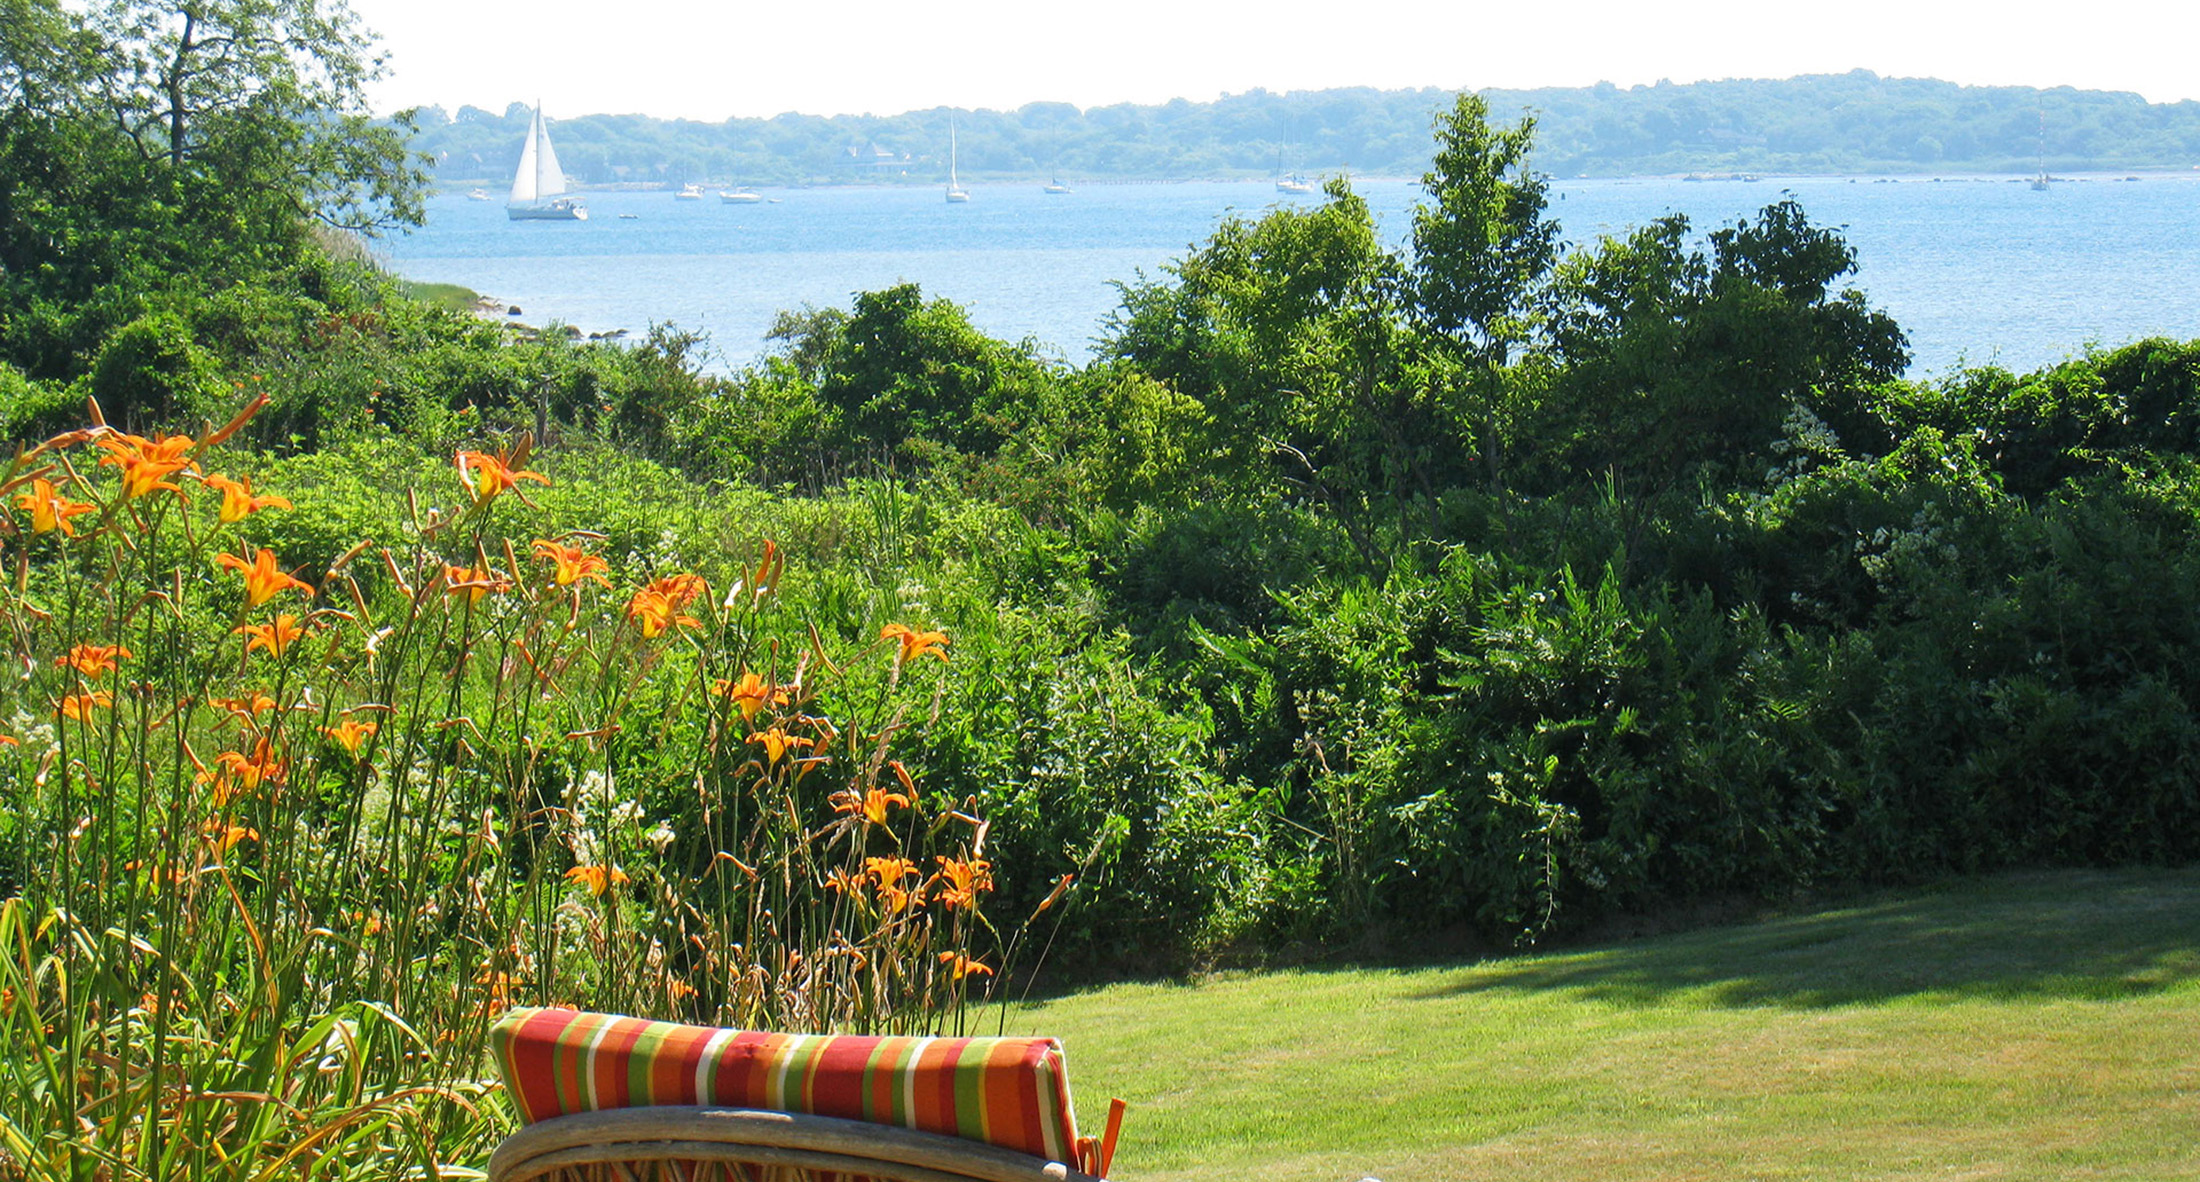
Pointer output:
611, 1099
693, 1144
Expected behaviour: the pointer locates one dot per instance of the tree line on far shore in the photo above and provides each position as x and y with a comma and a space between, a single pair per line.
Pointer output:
1833, 123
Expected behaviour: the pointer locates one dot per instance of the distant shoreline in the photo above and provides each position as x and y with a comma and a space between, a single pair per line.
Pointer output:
1853, 124
2075, 176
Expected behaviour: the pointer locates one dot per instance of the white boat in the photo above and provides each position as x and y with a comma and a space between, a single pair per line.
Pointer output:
739, 197
1289, 182
955, 192
689, 193
538, 188
478, 195
1056, 186
2039, 181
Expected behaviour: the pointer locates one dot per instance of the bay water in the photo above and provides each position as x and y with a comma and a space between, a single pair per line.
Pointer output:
1977, 270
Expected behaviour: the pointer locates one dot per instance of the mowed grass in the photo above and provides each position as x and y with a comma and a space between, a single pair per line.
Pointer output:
2041, 1026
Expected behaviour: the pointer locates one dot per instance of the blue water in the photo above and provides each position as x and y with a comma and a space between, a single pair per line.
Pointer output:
1976, 271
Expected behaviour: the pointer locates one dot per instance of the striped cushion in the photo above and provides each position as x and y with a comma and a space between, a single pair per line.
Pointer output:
1011, 1092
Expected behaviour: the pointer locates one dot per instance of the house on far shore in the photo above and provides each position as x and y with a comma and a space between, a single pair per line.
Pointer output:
870, 158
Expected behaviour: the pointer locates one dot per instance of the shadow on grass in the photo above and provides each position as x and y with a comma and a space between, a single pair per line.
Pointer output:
2077, 935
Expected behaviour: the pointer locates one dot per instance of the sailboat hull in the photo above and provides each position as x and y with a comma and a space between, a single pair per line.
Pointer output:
557, 211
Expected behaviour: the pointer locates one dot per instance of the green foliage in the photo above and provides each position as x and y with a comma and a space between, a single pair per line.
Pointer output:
904, 376
35, 410
153, 370
1669, 359
1364, 588
148, 146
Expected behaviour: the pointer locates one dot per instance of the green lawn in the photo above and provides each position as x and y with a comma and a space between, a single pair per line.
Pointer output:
2038, 1026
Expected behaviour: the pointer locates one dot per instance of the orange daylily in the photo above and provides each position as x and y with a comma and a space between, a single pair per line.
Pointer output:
766, 578
573, 564
231, 835
889, 868
778, 742
275, 638
92, 660
262, 579
78, 707
49, 509
681, 589
238, 502
597, 879
963, 879
146, 463
497, 991
351, 733
489, 475
474, 583
963, 966
657, 606
892, 875
247, 708
915, 644
872, 804
751, 693
248, 771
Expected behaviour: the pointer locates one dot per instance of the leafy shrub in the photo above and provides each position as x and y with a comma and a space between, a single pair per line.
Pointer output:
153, 370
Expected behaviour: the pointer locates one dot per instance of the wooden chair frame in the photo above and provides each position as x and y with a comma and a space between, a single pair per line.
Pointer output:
695, 1144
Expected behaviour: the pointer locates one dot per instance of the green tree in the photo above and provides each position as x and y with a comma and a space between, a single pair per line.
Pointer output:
172, 146
905, 376
1482, 248
1287, 332
1674, 359
269, 93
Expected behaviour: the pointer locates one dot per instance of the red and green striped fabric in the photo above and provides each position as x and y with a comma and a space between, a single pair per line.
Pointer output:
1011, 1092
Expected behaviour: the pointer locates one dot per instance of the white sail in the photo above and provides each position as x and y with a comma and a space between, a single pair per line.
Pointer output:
955, 191
539, 178
524, 189
549, 178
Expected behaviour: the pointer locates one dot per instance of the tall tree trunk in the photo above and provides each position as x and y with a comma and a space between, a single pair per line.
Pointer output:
174, 87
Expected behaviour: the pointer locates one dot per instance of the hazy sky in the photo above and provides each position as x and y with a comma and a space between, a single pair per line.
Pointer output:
711, 60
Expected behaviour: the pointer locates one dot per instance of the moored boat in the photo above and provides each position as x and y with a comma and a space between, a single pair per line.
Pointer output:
956, 194
538, 186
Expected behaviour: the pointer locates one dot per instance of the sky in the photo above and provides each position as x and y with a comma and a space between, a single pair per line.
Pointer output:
712, 60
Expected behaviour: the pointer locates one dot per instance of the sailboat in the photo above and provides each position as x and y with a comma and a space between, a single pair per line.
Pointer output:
538, 188
955, 192
2039, 182
1289, 182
